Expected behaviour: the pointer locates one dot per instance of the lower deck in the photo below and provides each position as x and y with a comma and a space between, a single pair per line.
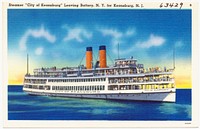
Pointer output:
159, 96
123, 88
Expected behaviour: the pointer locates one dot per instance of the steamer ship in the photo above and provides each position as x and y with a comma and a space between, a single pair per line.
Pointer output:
124, 80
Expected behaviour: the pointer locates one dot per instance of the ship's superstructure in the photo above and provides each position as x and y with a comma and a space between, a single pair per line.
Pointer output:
124, 80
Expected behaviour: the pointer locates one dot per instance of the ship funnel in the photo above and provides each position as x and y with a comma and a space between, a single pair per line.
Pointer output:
102, 56
89, 57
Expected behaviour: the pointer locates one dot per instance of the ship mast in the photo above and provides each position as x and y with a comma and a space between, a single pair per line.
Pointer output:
174, 58
27, 65
118, 50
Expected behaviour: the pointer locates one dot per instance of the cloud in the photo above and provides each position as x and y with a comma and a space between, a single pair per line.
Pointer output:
153, 41
77, 33
111, 32
114, 33
130, 32
39, 51
36, 33
123, 38
118, 37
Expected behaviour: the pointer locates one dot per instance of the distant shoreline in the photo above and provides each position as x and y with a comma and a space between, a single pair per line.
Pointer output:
15, 85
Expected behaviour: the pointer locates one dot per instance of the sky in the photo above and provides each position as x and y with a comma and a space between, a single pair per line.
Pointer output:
59, 37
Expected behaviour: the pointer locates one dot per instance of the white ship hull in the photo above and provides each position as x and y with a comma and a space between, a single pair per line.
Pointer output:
148, 96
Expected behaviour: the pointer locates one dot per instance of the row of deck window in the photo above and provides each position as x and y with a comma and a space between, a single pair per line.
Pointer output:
146, 79
140, 87
40, 87
78, 80
79, 88
35, 81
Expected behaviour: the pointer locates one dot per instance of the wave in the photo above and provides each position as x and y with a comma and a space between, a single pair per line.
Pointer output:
44, 101
100, 111
16, 93
171, 109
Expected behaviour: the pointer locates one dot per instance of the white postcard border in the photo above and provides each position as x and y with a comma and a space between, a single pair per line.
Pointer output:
79, 124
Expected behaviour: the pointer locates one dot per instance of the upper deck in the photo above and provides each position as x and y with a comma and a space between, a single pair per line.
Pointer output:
121, 67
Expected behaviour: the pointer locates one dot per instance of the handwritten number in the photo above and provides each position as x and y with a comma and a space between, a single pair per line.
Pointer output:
161, 5
181, 4
171, 5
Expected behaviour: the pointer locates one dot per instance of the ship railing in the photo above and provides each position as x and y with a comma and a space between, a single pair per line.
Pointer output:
35, 82
141, 89
54, 69
158, 71
96, 74
126, 72
159, 89
116, 81
50, 75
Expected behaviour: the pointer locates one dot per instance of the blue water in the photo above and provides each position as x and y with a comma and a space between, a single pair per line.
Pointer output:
25, 107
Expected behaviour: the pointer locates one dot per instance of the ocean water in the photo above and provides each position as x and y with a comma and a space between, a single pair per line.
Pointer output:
22, 106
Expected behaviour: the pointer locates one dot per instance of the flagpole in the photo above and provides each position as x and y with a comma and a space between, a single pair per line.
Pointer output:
174, 58
118, 50
27, 65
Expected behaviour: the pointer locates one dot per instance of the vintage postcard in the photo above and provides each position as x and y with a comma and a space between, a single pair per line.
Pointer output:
96, 64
